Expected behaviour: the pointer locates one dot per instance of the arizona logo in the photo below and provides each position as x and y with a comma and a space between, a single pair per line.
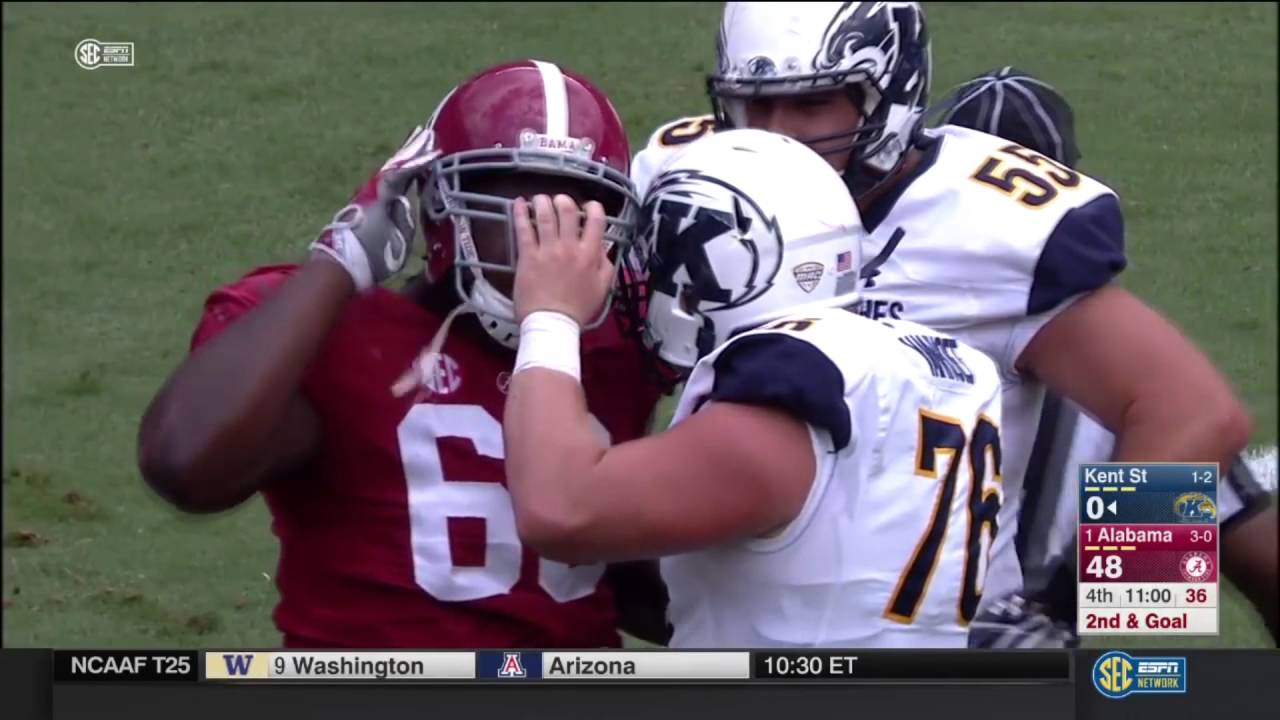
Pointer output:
511, 666
807, 275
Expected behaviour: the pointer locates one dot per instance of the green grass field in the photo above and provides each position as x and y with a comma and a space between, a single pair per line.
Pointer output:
130, 193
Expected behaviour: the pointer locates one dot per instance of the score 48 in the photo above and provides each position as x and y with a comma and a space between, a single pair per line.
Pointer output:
1108, 566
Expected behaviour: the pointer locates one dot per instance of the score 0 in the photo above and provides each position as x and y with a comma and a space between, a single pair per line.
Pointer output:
1096, 509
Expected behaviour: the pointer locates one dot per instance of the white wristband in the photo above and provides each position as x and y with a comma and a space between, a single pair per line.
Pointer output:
344, 248
549, 340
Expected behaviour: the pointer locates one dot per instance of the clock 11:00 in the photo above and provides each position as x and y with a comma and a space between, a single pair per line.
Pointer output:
1149, 595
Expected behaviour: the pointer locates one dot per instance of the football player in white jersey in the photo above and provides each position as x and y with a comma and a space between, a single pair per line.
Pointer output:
827, 479
1018, 106
998, 245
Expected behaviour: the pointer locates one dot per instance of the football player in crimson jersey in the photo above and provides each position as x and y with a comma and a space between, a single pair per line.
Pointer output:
382, 462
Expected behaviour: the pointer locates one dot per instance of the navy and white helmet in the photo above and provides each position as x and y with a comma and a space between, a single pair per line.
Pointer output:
879, 51
728, 241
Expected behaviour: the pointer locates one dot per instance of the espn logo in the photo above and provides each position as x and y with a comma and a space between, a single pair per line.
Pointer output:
1157, 667
237, 665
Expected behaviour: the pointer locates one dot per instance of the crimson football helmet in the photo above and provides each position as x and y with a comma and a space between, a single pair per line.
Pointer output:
522, 118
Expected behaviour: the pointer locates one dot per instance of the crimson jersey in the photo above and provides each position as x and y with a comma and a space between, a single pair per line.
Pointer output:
400, 531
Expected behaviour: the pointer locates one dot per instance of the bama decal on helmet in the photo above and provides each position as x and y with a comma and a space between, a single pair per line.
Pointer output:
864, 37
679, 228
533, 140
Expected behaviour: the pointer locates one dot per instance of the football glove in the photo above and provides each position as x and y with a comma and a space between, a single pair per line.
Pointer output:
371, 236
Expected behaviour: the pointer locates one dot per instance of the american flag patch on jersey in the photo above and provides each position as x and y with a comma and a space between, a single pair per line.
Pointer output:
844, 262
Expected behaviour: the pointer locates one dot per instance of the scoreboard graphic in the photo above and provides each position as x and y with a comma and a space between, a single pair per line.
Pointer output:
1147, 549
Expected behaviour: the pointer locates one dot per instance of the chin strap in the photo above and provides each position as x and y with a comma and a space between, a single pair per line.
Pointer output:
502, 331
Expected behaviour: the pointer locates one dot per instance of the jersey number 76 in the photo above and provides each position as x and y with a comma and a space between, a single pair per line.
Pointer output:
941, 436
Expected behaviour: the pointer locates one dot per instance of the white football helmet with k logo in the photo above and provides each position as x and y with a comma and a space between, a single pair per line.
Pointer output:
741, 228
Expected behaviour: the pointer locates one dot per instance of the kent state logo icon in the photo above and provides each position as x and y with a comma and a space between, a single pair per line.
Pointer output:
1195, 507
1117, 674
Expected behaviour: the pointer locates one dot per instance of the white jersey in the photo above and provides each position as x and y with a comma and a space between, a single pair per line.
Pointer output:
891, 546
986, 241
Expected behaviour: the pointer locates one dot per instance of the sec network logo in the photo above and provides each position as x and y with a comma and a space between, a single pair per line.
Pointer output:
1117, 674
92, 54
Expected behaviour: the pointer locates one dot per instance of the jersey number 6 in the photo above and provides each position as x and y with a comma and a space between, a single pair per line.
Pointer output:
940, 435
435, 499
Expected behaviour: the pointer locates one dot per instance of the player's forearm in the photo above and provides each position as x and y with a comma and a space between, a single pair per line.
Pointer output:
1141, 378
215, 430
551, 455
1174, 427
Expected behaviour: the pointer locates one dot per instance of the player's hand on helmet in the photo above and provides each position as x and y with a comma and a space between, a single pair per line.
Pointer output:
562, 262
371, 236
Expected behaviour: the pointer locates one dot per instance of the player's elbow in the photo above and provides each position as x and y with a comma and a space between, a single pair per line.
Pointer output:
1222, 419
1213, 422
554, 531
176, 482
1231, 424
171, 467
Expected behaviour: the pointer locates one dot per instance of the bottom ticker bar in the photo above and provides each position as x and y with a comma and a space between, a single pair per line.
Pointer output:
660, 666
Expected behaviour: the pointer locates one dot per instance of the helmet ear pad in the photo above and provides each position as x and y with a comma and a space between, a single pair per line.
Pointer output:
437, 233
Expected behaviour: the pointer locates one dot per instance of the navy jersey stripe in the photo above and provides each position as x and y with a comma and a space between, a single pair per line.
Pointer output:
1084, 252
1043, 487
783, 372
